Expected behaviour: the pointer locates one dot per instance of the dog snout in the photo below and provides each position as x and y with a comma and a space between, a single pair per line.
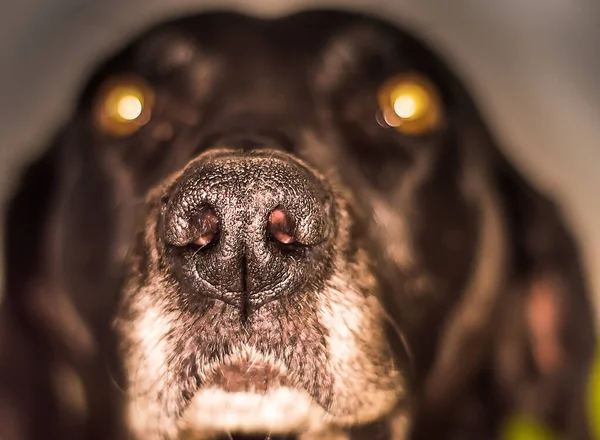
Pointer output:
247, 227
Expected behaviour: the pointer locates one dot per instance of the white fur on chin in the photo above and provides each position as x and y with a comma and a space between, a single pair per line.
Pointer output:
278, 411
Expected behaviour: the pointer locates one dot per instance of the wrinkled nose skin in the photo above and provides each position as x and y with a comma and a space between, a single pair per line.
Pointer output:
247, 228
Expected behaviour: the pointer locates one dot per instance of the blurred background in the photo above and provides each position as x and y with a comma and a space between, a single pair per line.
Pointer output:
532, 65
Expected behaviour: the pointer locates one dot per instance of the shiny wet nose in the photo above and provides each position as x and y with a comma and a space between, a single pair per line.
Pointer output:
247, 228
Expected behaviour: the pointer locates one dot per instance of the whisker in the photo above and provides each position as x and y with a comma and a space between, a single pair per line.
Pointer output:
112, 377
198, 250
401, 336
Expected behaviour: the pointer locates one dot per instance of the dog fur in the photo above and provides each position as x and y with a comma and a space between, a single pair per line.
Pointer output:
418, 315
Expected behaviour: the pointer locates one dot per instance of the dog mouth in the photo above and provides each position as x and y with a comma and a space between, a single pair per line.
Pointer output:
247, 376
253, 398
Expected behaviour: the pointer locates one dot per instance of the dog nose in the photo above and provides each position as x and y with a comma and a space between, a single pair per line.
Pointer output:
247, 227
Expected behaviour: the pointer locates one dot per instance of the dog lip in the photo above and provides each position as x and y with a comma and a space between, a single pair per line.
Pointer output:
246, 376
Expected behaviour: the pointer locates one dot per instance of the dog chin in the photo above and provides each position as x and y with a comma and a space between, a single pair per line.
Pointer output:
279, 410
250, 394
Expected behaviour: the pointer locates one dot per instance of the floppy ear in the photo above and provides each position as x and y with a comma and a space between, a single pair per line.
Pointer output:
524, 348
546, 335
53, 379
29, 306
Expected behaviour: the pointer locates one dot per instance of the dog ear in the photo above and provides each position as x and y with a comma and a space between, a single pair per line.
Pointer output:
53, 378
526, 348
546, 334
30, 314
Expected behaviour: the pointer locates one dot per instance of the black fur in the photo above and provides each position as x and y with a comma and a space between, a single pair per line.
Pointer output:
73, 224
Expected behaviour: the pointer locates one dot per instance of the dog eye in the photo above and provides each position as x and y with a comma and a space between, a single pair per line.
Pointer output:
410, 104
123, 106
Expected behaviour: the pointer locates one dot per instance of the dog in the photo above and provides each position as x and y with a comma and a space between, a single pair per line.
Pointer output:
286, 228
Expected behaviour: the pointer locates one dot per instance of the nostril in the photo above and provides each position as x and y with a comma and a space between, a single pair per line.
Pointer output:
207, 226
281, 226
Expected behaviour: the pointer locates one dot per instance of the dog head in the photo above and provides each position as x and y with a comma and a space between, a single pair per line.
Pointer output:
300, 226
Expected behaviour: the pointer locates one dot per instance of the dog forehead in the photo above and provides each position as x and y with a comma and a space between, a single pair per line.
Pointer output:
236, 65
260, 48
174, 44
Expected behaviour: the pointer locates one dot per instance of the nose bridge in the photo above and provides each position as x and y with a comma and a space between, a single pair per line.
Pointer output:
245, 191
242, 205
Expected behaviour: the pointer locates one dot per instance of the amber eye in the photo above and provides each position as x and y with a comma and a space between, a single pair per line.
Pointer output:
123, 105
410, 104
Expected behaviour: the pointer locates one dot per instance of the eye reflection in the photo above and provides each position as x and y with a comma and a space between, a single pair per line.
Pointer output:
410, 104
129, 107
123, 106
405, 106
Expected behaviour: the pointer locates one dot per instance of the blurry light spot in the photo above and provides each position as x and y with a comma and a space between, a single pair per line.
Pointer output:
405, 106
129, 107
411, 104
390, 118
524, 427
123, 106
